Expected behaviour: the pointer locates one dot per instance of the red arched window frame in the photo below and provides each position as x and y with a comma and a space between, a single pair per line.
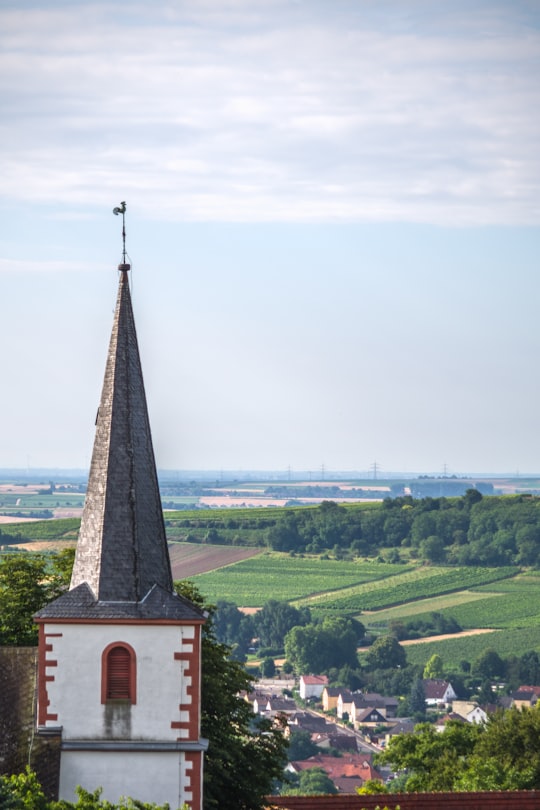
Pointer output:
118, 673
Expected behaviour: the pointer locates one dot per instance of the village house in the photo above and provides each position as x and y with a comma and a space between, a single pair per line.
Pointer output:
386, 705
524, 698
351, 704
311, 686
344, 703
403, 726
273, 706
366, 716
470, 711
305, 721
438, 692
330, 695
440, 723
336, 739
255, 699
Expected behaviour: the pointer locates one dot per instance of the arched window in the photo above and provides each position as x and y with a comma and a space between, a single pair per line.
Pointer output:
118, 673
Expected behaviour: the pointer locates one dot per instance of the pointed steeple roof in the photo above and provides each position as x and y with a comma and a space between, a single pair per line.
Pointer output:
122, 548
122, 566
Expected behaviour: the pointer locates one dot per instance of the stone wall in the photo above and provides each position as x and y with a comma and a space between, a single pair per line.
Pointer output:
19, 744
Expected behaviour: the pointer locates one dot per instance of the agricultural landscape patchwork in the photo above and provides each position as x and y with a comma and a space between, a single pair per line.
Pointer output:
242, 568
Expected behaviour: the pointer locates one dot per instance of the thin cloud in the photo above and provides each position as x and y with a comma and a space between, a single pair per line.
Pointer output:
247, 112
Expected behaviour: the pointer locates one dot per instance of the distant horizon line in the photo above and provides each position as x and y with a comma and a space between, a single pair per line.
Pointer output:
283, 474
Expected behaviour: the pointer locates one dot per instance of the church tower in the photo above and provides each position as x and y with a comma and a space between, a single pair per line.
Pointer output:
119, 653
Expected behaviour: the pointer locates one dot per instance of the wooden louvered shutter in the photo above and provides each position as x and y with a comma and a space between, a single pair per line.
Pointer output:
118, 674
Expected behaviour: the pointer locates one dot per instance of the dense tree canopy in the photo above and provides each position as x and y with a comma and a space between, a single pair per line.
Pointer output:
416, 701
466, 530
275, 619
503, 754
233, 628
319, 647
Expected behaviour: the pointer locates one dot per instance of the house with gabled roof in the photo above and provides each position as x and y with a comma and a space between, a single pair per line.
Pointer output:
311, 686
329, 697
366, 716
306, 721
387, 705
255, 699
278, 705
344, 702
524, 698
336, 739
403, 726
438, 691
441, 722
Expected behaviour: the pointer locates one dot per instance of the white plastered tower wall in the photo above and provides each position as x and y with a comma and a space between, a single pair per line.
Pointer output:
174, 773
120, 652
164, 656
150, 749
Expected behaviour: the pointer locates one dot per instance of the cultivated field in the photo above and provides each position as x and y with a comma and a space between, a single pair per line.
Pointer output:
498, 608
453, 650
190, 559
271, 575
413, 584
501, 600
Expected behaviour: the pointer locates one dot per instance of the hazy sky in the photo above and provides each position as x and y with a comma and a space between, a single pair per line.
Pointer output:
333, 221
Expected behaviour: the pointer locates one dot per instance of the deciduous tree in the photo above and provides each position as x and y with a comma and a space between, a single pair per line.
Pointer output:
386, 652
434, 667
245, 755
319, 647
27, 583
275, 619
311, 782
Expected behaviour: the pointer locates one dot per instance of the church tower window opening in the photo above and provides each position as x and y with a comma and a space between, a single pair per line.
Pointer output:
119, 669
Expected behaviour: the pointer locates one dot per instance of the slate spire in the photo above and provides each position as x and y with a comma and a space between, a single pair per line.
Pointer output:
122, 548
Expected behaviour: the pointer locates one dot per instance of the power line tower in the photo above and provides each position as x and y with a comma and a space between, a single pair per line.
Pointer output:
375, 469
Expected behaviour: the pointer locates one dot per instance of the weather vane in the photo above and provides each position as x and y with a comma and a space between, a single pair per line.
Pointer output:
121, 209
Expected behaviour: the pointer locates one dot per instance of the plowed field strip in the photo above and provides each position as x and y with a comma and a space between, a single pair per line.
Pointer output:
189, 559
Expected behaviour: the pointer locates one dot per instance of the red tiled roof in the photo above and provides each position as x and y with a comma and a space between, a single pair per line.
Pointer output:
535, 689
314, 679
351, 765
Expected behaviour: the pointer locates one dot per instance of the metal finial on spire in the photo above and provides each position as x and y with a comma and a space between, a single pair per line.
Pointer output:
121, 209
